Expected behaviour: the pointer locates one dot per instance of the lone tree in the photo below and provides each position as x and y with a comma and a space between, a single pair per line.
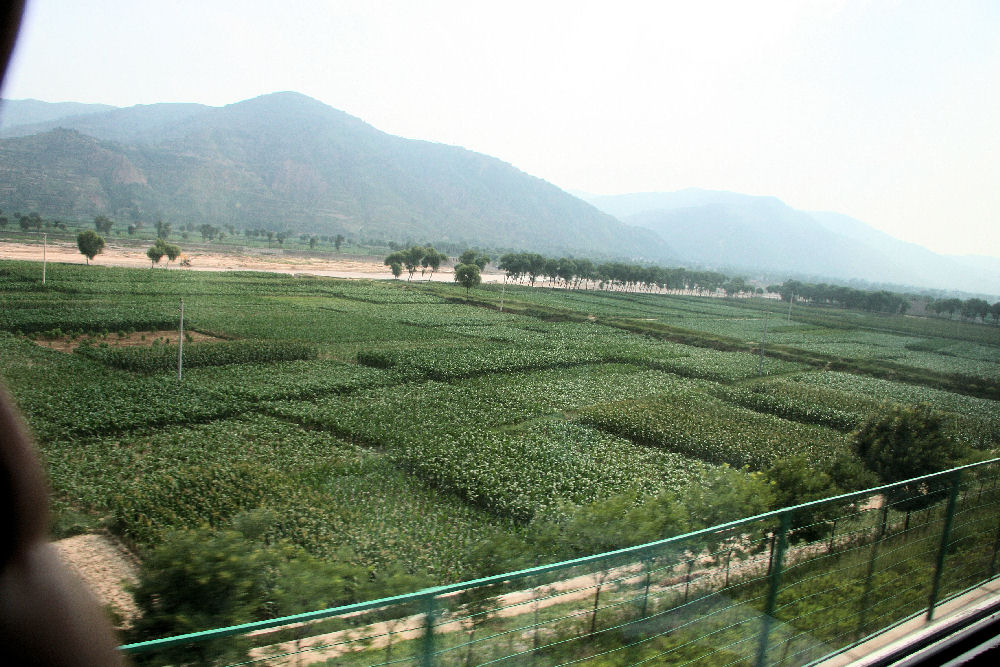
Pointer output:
467, 275
155, 254
903, 442
432, 260
474, 257
173, 251
394, 260
412, 259
103, 224
90, 243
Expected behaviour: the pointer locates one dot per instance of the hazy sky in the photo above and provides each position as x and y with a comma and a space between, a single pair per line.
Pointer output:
886, 111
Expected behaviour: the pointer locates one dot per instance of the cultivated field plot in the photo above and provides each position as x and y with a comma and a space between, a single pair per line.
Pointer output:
401, 427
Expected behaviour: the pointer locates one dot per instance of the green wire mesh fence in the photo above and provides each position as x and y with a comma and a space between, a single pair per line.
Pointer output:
789, 587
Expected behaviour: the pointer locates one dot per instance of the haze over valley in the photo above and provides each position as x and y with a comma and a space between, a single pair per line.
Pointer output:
287, 162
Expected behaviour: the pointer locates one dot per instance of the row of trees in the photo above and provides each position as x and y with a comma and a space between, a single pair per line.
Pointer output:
425, 258
970, 309
90, 244
574, 273
104, 226
31, 222
883, 301
880, 301
160, 249
313, 240
569, 272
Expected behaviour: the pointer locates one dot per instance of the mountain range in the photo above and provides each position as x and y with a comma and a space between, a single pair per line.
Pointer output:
284, 161
751, 233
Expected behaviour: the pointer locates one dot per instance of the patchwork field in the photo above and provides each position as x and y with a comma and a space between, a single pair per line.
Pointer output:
399, 426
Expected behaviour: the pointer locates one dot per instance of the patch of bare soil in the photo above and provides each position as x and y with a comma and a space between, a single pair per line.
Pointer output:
67, 344
105, 567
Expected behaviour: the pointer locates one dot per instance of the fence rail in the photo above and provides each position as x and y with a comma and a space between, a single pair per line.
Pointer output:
789, 587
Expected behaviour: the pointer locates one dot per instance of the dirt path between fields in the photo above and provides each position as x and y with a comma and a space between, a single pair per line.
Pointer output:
105, 567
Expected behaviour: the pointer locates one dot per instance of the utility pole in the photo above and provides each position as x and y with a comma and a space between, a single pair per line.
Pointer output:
180, 345
790, 300
502, 288
45, 247
763, 341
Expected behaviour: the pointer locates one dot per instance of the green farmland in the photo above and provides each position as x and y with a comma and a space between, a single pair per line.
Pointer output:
400, 427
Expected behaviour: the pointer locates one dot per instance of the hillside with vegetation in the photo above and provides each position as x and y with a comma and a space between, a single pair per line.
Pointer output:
291, 164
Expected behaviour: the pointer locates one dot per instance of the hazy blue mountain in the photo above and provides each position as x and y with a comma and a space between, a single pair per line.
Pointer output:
286, 161
981, 262
28, 112
728, 229
625, 205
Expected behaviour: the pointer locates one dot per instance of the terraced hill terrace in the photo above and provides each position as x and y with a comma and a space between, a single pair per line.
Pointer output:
414, 434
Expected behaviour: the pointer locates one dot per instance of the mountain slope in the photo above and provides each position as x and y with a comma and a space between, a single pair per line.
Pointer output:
726, 229
286, 161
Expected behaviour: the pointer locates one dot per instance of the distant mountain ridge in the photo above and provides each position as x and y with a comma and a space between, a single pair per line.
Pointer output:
143, 123
29, 112
287, 161
717, 228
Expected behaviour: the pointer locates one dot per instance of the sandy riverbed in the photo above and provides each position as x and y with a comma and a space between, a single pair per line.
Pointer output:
115, 255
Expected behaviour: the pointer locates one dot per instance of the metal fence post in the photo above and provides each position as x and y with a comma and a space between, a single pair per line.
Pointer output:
945, 536
770, 554
647, 564
427, 648
996, 550
772, 592
687, 579
863, 615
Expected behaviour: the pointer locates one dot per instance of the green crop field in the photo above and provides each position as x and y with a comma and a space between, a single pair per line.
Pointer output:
398, 426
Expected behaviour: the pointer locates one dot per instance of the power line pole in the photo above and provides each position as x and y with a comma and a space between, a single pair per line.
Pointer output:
180, 345
790, 300
45, 247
